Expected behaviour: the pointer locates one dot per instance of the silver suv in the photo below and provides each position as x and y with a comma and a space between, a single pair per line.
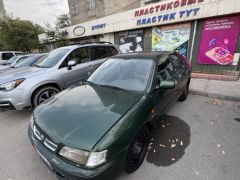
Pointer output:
63, 67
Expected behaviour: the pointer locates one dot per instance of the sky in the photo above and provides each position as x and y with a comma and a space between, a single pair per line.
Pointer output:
37, 11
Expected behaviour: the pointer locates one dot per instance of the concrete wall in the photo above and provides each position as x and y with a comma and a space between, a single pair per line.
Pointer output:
117, 6
102, 8
80, 12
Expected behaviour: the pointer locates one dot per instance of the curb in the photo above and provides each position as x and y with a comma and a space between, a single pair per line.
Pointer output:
213, 95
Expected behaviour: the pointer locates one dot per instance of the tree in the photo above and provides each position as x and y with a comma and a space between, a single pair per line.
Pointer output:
20, 35
57, 33
62, 21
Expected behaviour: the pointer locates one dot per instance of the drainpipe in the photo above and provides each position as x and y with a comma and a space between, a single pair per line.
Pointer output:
193, 39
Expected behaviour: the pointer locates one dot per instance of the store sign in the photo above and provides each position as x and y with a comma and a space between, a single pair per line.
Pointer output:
219, 41
170, 38
98, 26
78, 31
168, 16
162, 7
153, 12
131, 41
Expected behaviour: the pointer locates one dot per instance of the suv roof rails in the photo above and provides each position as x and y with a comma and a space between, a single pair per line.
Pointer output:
102, 42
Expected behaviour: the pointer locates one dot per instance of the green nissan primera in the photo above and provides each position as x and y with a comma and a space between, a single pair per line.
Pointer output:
101, 127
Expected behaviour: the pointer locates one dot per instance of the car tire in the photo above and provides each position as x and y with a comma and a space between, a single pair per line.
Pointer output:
137, 151
43, 94
184, 95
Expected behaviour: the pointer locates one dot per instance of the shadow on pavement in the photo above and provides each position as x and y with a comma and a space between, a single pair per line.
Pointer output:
170, 139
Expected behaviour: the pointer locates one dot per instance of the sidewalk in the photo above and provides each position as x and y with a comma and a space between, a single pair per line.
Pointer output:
227, 90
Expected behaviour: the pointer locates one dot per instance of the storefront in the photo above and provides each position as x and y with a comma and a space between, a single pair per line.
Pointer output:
204, 31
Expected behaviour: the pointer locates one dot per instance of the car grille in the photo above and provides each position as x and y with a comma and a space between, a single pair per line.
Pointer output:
48, 143
37, 133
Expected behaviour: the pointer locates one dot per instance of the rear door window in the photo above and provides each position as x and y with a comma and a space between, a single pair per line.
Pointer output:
112, 51
100, 52
7, 56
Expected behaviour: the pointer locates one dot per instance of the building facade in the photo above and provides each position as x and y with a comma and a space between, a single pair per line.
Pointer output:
2, 9
205, 31
86, 10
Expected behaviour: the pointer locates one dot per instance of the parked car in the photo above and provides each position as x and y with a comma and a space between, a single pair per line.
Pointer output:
102, 126
13, 61
6, 55
22, 61
29, 86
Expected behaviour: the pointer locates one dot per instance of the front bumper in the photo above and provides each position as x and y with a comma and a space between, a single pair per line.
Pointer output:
66, 171
15, 99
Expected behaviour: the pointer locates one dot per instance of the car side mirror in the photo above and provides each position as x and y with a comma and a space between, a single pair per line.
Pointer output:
71, 63
167, 85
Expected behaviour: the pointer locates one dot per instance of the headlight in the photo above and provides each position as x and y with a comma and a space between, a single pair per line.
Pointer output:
84, 158
74, 155
96, 158
10, 85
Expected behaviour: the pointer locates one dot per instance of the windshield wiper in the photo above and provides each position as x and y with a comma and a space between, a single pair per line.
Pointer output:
35, 65
115, 87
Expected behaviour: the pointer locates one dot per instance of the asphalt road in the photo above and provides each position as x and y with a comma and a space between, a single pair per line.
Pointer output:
198, 139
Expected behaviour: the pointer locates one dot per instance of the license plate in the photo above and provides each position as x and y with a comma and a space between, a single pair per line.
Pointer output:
45, 160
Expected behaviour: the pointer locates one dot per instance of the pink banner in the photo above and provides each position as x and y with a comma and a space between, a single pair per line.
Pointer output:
219, 40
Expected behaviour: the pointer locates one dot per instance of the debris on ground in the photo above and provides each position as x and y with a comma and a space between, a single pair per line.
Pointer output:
216, 102
218, 145
181, 143
161, 145
173, 159
173, 145
223, 152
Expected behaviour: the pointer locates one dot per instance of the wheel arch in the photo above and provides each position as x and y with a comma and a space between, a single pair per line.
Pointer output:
51, 84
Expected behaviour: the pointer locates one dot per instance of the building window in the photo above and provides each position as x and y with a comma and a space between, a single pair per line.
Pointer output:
91, 4
152, 1
75, 9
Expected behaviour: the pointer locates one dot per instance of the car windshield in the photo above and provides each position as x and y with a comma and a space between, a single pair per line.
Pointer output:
28, 61
132, 74
52, 58
10, 61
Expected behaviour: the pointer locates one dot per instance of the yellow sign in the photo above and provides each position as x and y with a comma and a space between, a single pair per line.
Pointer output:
155, 40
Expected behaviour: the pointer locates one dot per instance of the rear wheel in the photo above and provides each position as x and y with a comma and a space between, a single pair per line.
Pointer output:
185, 93
43, 94
137, 151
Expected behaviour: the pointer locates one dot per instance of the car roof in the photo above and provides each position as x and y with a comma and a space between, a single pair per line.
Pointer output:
151, 55
86, 45
11, 52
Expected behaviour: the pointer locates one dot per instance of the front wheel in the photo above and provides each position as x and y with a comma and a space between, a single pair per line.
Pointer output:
137, 151
185, 93
43, 94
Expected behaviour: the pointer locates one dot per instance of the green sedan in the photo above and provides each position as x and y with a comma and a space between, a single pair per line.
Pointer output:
101, 127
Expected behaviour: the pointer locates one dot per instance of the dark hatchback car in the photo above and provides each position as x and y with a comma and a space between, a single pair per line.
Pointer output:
101, 127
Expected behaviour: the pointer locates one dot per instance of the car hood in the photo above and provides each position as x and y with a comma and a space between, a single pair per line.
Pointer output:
80, 116
18, 73
3, 67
